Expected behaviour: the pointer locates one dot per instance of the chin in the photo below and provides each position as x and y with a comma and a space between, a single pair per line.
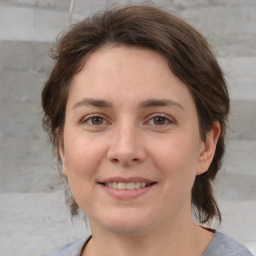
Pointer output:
126, 222
128, 228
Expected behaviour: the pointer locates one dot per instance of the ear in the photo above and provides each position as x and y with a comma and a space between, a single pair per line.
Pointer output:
62, 155
208, 148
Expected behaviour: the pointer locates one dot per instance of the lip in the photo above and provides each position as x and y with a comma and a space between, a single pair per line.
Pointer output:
125, 194
128, 179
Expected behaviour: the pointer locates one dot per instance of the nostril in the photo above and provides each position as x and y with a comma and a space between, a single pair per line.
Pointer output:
125, 154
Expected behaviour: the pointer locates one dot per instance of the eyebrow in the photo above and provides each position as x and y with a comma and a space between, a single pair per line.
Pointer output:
145, 104
93, 102
160, 103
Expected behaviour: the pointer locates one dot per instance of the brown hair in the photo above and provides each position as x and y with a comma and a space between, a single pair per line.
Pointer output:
190, 59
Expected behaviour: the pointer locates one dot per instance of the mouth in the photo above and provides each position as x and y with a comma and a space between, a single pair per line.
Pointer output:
127, 185
127, 188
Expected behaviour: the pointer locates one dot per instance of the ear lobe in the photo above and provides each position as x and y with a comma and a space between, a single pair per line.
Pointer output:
62, 155
208, 149
61, 151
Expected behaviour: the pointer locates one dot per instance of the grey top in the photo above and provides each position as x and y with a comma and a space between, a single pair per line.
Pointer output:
221, 245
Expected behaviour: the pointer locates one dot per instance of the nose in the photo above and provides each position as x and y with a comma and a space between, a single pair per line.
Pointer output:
126, 146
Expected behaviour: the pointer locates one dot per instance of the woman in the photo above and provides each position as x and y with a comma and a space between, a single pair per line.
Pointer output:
136, 108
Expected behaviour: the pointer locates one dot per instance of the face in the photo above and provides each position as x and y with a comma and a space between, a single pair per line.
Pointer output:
132, 146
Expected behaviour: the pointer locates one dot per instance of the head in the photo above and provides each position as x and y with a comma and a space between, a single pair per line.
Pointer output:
189, 59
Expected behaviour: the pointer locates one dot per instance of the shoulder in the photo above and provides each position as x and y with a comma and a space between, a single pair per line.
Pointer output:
72, 249
222, 245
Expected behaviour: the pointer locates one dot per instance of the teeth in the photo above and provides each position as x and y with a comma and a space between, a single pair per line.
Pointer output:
114, 185
137, 185
121, 185
130, 185
111, 185
126, 186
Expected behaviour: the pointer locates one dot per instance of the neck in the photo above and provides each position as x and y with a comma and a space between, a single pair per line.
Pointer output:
177, 238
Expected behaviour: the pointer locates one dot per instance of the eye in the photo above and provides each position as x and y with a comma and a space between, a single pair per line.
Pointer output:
160, 120
94, 120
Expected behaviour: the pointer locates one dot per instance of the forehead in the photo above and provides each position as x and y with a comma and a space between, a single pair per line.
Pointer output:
120, 72
116, 59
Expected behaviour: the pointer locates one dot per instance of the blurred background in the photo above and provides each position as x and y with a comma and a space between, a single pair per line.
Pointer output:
33, 216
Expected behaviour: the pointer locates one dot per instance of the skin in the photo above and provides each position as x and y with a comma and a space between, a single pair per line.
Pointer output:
112, 129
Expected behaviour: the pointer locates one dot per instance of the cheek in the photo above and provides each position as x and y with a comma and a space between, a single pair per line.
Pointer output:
177, 152
83, 157
83, 154
177, 161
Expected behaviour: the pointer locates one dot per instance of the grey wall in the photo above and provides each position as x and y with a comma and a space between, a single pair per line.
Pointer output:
33, 217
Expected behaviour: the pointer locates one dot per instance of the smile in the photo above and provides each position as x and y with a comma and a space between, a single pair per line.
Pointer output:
127, 185
127, 188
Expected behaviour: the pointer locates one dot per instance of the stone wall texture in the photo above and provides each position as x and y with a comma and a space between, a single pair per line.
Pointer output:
33, 217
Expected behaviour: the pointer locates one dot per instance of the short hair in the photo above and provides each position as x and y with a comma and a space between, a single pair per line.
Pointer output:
189, 58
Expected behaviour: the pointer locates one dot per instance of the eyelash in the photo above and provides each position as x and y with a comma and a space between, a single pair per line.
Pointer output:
167, 120
90, 118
